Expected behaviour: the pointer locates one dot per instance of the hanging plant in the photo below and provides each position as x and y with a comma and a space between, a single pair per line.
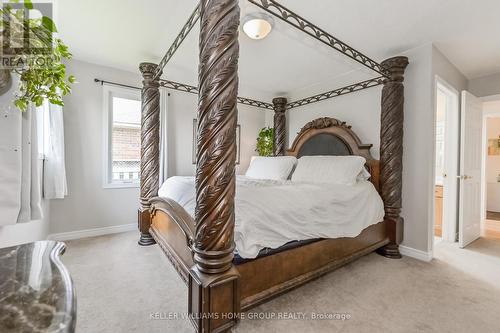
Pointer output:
30, 50
265, 142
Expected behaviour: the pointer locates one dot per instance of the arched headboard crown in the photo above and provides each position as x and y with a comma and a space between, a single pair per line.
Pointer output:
330, 136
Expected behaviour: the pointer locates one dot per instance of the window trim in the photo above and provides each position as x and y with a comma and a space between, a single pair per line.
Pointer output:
109, 92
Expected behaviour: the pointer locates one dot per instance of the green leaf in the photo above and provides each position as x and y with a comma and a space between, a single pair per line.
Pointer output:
21, 104
38, 100
265, 142
57, 101
28, 4
49, 24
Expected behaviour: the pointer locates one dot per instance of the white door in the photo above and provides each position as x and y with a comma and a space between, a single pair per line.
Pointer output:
470, 170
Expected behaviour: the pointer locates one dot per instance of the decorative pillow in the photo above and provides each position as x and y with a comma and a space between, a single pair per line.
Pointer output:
275, 168
329, 169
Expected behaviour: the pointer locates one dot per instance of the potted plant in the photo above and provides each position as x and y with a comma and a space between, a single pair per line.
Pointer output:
265, 142
30, 51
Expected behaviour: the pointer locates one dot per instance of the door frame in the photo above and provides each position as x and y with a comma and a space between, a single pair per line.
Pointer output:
484, 185
451, 204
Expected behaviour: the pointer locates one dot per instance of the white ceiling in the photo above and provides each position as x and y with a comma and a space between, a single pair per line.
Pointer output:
122, 33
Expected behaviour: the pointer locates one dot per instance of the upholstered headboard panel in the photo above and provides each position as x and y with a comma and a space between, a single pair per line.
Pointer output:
324, 144
329, 136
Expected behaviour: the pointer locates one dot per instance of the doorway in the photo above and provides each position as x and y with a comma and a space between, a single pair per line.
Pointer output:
490, 227
447, 120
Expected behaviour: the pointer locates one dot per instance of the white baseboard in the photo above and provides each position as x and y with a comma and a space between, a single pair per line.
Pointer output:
414, 253
92, 232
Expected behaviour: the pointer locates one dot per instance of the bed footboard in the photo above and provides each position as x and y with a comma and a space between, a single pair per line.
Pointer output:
173, 229
297, 266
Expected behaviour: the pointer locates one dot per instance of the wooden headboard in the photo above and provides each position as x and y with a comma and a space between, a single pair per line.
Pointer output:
329, 136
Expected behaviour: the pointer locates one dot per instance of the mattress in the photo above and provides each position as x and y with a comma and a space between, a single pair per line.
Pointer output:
238, 260
270, 213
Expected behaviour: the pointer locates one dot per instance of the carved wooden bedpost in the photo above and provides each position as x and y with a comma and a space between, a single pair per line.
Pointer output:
213, 281
150, 148
391, 152
279, 144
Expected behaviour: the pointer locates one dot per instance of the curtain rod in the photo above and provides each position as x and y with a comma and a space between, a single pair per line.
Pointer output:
117, 84
193, 90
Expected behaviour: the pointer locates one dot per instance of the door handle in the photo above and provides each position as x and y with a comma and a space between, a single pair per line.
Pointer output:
464, 177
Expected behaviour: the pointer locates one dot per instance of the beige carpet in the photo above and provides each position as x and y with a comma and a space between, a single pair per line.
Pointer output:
119, 285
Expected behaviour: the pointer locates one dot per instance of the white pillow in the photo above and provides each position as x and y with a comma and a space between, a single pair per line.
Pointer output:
275, 168
364, 175
329, 169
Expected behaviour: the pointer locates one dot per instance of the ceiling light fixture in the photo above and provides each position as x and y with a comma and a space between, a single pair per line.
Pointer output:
257, 26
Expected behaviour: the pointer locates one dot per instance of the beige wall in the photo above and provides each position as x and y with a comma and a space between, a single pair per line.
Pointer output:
418, 153
361, 110
89, 205
181, 112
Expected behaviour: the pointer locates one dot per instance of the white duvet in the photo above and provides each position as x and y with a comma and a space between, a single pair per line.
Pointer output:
271, 213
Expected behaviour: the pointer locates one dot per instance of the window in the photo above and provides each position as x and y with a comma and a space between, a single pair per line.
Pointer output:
122, 109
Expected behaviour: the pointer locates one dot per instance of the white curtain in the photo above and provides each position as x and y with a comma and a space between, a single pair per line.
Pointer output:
31, 208
163, 135
20, 194
54, 169
26, 138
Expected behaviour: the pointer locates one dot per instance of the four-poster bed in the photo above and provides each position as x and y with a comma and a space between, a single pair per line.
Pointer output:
201, 247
